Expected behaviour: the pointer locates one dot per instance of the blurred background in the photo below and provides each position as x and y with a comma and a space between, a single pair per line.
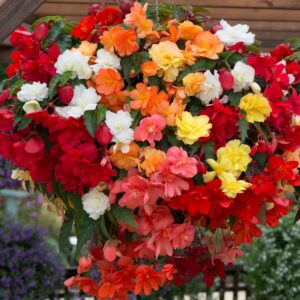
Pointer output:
30, 264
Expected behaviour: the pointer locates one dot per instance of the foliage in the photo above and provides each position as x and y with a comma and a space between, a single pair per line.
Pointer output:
29, 268
272, 263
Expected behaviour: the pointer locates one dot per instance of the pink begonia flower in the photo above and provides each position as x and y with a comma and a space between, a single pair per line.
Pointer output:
180, 163
110, 251
182, 235
143, 251
160, 218
139, 191
150, 129
173, 183
161, 242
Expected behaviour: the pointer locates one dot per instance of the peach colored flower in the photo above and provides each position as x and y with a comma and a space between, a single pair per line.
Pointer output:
109, 81
150, 129
149, 68
137, 19
188, 30
192, 83
153, 158
205, 44
125, 160
88, 49
120, 40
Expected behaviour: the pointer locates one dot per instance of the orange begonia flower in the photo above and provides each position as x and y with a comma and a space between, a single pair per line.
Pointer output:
172, 35
116, 101
147, 279
153, 158
149, 68
138, 19
109, 81
205, 44
188, 30
147, 99
120, 40
125, 160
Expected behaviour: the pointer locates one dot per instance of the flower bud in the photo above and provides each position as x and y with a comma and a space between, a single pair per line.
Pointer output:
215, 28
4, 96
89, 151
103, 135
226, 80
125, 6
255, 87
41, 31
85, 264
109, 251
65, 93
31, 106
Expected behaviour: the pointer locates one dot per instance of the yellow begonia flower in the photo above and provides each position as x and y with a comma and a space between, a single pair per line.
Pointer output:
169, 58
192, 83
23, 176
190, 128
256, 106
218, 170
231, 186
234, 157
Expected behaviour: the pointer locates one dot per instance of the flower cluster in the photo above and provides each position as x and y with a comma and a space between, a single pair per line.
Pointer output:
166, 143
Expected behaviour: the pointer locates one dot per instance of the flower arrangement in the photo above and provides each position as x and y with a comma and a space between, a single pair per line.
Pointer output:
29, 268
164, 143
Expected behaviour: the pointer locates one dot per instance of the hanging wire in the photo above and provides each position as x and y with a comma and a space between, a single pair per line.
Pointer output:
156, 11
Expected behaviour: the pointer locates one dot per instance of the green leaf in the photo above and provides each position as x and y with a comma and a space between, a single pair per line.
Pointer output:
126, 64
194, 148
55, 30
92, 118
243, 128
234, 98
53, 86
65, 78
64, 42
103, 229
16, 87
24, 123
90, 121
85, 229
100, 114
154, 81
124, 215
171, 136
57, 19
201, 65
136, 117
209, 150
295, 42
65, 233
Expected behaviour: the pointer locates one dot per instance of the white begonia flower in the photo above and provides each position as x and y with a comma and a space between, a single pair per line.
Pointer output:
119, 124
106, 60
31, 106
95, 203
84, 99
76, 62
33, 91
230, 35
211, 88
243, 76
